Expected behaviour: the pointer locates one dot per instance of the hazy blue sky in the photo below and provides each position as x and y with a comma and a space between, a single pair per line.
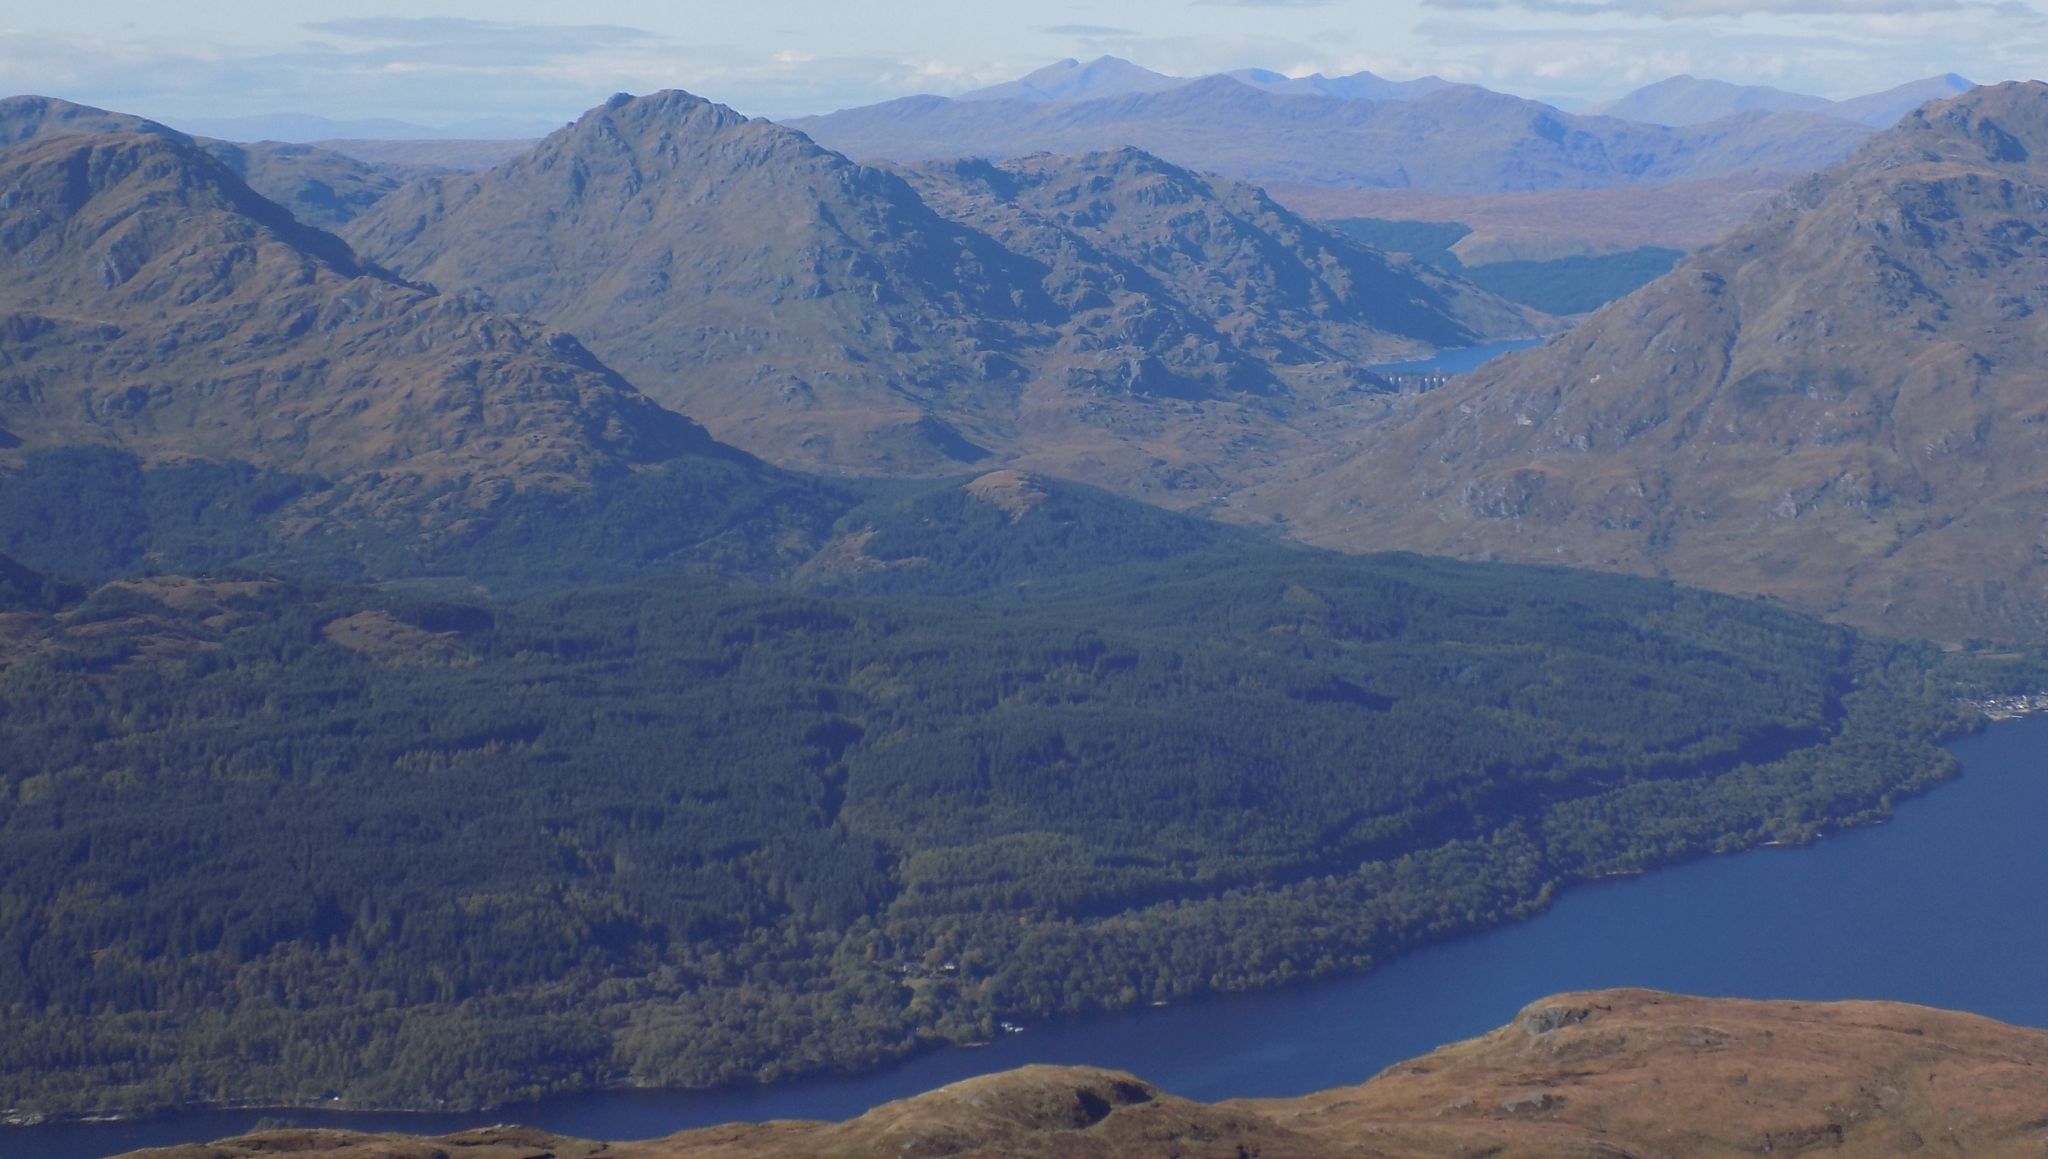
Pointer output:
445, 61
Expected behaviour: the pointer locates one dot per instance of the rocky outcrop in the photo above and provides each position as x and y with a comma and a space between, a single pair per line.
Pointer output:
1610, 1073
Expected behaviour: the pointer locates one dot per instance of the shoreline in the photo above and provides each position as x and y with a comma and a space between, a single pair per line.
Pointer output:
2012, 708
1999, 709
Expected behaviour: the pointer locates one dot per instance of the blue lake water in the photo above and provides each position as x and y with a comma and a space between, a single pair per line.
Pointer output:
1457, 360
1940, 906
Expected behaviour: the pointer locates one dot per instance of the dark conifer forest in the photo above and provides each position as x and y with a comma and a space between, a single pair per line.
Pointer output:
441, 842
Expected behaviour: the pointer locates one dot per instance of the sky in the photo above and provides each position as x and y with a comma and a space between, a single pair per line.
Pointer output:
525, 63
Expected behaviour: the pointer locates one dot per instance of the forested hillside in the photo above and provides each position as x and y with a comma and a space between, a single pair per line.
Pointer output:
268, 840
398, 707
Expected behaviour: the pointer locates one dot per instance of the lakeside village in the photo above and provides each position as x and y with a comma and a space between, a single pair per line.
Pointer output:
2010, 707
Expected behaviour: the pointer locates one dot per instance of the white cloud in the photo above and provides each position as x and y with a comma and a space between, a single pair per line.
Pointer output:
1709, 9
443, 69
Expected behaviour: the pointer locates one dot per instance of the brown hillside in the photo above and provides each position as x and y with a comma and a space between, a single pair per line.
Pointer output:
1114, 319
787, 297
1133, 244
320, 187
1612, 1073
1840, 405
151, 301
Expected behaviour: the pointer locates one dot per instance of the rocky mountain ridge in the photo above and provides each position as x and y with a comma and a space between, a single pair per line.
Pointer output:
829, 315
320, 187
1839, 406
1457, 139
1689, 100
154, 303
1624, 1072
1110, 76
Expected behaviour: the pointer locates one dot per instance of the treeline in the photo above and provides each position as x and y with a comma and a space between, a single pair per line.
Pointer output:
274, 840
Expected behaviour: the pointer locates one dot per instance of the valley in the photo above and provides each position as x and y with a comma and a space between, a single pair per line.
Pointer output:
698, 600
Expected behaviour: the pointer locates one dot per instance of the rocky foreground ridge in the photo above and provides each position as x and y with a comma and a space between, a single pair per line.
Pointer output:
1609, 1073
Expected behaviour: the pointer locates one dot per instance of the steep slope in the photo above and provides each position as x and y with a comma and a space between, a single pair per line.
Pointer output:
320, 187
1459, 139
1623, 1072
26, 118
1841, 405
823, 314
153, 303
1206, 280
780, 293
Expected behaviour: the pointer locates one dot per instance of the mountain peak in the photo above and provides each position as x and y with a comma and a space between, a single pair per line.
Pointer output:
1836, 405
770, 268
1999, 124
657, 111
1074, 80
174, 313
1690, 100
129, 184
26, 117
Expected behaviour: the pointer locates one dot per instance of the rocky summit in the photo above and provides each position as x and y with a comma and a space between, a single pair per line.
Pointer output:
1113, 318
1841, 405
1610, 1073
789, 298
319, 186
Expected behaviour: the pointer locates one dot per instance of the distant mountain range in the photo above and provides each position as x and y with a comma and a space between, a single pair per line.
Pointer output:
1109, 76
1455, 139
1679, 100
1840, 405
1686, 100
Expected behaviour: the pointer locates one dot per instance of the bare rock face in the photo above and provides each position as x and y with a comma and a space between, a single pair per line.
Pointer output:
1840, 405
151, 301
1609, 1073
